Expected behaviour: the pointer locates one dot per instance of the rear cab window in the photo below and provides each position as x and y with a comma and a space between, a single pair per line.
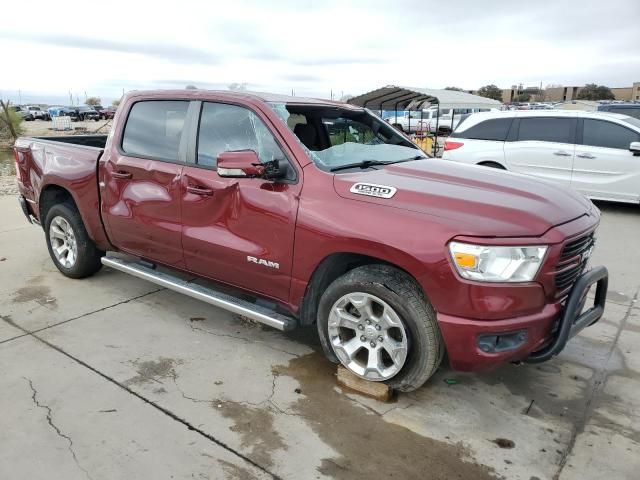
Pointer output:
154, 129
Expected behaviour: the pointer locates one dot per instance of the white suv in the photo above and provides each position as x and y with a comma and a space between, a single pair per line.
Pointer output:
595, 153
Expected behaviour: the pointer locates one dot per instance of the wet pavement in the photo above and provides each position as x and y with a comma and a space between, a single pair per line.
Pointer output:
113, 377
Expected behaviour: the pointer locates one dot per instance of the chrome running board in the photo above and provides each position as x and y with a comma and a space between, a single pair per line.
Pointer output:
213, 297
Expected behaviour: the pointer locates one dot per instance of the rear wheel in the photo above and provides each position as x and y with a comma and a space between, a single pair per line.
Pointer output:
70, 247
376, 321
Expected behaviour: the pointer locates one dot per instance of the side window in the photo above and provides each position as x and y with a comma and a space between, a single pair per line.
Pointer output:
227, 128
546, 129
599, 133
493, 129
154, 129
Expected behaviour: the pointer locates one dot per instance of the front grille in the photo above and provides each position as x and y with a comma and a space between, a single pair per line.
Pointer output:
572, 262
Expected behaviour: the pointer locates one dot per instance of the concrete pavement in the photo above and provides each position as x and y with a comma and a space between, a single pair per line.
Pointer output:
112, 377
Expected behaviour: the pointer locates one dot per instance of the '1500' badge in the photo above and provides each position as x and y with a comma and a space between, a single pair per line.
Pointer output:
372, 190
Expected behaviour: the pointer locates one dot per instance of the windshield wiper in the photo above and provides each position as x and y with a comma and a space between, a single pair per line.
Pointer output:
371, 163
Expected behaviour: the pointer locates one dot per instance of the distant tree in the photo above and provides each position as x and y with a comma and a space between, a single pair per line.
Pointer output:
523, 97
455, 89
490, 91
93, 101
10, 121
345, 98
115, 103
191, 87
591, 91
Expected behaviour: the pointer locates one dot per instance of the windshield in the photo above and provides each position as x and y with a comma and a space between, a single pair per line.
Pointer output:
334, 136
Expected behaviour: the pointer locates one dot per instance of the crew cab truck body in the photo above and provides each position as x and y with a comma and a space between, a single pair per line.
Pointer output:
323, 214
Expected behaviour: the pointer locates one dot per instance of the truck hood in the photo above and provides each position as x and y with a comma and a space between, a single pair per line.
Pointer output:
476, 201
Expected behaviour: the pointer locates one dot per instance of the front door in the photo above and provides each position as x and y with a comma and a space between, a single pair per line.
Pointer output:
141, 182
604, 167
542, 146
239, 231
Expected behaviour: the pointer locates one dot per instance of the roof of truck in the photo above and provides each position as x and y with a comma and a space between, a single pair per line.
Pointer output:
265, 96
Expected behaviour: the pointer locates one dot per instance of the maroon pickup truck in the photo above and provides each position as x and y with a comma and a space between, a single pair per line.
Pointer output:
302, 211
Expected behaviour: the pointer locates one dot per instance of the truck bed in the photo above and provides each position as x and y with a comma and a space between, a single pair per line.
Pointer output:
49, 166
97, 141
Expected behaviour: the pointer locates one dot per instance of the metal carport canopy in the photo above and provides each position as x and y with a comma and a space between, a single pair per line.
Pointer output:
393, 97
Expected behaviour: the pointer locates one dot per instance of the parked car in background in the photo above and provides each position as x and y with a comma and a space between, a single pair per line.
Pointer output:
406, 121
99, 109
85, 112
596, 153
37, 112
449, 118
430, 119
23, 112
62, 112
630, 109
109, 112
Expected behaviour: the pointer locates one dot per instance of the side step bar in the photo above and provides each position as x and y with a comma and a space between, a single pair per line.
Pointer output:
218, 299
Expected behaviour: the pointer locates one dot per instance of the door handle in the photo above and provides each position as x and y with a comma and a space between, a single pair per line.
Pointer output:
207, 192
585, 155
562, 153
121, 174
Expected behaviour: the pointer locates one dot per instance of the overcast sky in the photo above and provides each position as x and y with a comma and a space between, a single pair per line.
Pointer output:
312, 47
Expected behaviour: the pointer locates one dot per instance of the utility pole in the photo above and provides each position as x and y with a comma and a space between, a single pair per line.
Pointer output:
20, 96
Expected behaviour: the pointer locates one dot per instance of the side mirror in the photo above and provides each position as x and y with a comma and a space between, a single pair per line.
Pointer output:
239, 164
634, 148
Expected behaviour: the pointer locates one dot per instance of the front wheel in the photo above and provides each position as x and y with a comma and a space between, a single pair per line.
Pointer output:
376, 321
70, 247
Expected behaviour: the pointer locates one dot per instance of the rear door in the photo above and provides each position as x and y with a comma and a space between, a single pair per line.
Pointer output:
542, 146
604, 167
239, 231
141, 182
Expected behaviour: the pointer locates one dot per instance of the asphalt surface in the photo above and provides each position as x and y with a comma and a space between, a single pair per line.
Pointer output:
113, 378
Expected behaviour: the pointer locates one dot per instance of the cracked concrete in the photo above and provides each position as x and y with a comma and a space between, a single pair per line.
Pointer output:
54, 426
132, 381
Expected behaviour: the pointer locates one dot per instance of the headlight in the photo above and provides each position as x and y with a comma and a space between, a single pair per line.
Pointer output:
496, 264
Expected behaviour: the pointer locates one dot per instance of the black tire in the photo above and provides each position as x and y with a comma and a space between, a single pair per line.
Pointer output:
400, 291
492, 165
88, 255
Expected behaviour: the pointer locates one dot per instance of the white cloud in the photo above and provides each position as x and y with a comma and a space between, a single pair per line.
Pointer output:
311, 47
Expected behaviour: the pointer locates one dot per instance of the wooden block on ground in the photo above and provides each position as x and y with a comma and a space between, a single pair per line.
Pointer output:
377, 390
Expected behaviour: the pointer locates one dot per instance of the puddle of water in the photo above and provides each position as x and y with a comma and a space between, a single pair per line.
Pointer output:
7, 163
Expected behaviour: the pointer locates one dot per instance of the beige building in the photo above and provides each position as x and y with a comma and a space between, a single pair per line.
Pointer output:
562, 94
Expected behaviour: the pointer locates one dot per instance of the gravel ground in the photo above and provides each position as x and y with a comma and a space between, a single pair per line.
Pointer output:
8, 186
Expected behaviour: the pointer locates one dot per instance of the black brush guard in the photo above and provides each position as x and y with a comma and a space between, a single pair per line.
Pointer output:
571, 321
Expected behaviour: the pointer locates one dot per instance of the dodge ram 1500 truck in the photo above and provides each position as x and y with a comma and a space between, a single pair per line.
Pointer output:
303, 211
